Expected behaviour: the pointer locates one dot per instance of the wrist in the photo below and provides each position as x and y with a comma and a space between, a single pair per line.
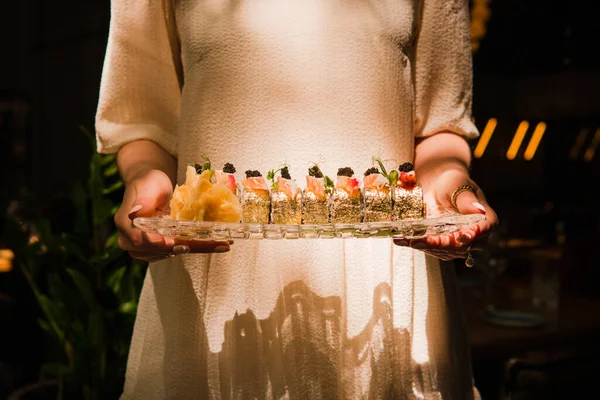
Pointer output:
136, 159
135, 172
443, 154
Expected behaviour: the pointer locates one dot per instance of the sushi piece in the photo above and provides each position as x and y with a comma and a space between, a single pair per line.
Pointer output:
286, 198
315, 197
226, 176
377, 197
256, 201
408, 195
345, 204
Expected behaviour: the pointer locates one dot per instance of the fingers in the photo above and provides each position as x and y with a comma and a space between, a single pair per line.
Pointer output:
467, 202
149, 195
134, 239
445, 254
149, 257
152, 247
449, 246
147, 250
204, 246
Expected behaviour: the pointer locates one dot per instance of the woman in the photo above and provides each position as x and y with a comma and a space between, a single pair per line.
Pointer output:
259, 83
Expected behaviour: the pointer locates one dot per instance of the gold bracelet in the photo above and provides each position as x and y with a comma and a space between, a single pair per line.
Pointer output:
458, 191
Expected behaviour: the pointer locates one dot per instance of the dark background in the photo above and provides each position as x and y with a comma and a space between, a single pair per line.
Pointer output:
538, 61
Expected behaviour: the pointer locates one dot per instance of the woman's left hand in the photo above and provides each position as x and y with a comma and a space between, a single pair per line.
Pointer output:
458, 244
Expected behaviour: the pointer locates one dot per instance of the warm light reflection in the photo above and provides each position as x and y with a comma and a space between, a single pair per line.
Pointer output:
579, 141
485, 137
420, 343
6, 257
517, 140
535, 140
590, 152
33, 239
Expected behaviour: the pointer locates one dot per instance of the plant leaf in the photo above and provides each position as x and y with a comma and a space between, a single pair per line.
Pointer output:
106, 159
381, 166
46, 326
102, 209
56, 370
91, 137
84, 286
95, 328
55, 317
129, 307
329, 185
70, 247
113, 188
393, 177
111, 170
112, 242
115, 279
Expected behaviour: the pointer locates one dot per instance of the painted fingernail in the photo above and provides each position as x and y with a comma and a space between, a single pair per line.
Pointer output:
479, 205
135, 208
401, 242
419, 246
221, 249
181, 249
464, 238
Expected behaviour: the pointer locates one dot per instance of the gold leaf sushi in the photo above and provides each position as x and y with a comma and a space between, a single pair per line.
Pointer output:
315, 197
345, 204
256, 200
286, 198
408, 195
377, 197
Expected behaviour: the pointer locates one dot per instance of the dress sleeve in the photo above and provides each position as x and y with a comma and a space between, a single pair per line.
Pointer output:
140, 87
443, 70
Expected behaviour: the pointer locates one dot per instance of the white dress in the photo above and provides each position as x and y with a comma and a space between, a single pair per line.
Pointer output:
258, 83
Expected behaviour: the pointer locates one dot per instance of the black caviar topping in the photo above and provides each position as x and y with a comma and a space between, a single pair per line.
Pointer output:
229, 168
372, 170
406, 167
345, 171
252, 173
315, 171
285, 173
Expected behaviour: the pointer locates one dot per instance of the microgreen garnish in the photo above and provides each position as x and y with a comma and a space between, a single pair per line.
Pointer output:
315, 171
392, 176
283, 170
205, 166
329, 185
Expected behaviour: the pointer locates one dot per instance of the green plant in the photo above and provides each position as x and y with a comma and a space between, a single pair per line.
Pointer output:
86, 287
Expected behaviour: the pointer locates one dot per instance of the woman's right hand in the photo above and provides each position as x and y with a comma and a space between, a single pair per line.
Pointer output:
147, 194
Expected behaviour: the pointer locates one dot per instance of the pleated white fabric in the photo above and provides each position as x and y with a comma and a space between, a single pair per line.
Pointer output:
258, 83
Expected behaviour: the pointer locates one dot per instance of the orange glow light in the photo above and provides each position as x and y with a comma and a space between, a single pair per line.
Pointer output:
485, 137
574, 153
590, 152
535, 140
517, 140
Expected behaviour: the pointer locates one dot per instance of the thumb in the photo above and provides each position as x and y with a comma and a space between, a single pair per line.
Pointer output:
150, 196
468, 203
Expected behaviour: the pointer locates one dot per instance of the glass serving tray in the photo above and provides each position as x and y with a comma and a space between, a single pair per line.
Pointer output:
447, 222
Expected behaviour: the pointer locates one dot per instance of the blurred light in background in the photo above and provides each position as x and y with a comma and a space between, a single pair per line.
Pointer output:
6, 257
535, 140
590, 152
517, 140
579, 141
486, 135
